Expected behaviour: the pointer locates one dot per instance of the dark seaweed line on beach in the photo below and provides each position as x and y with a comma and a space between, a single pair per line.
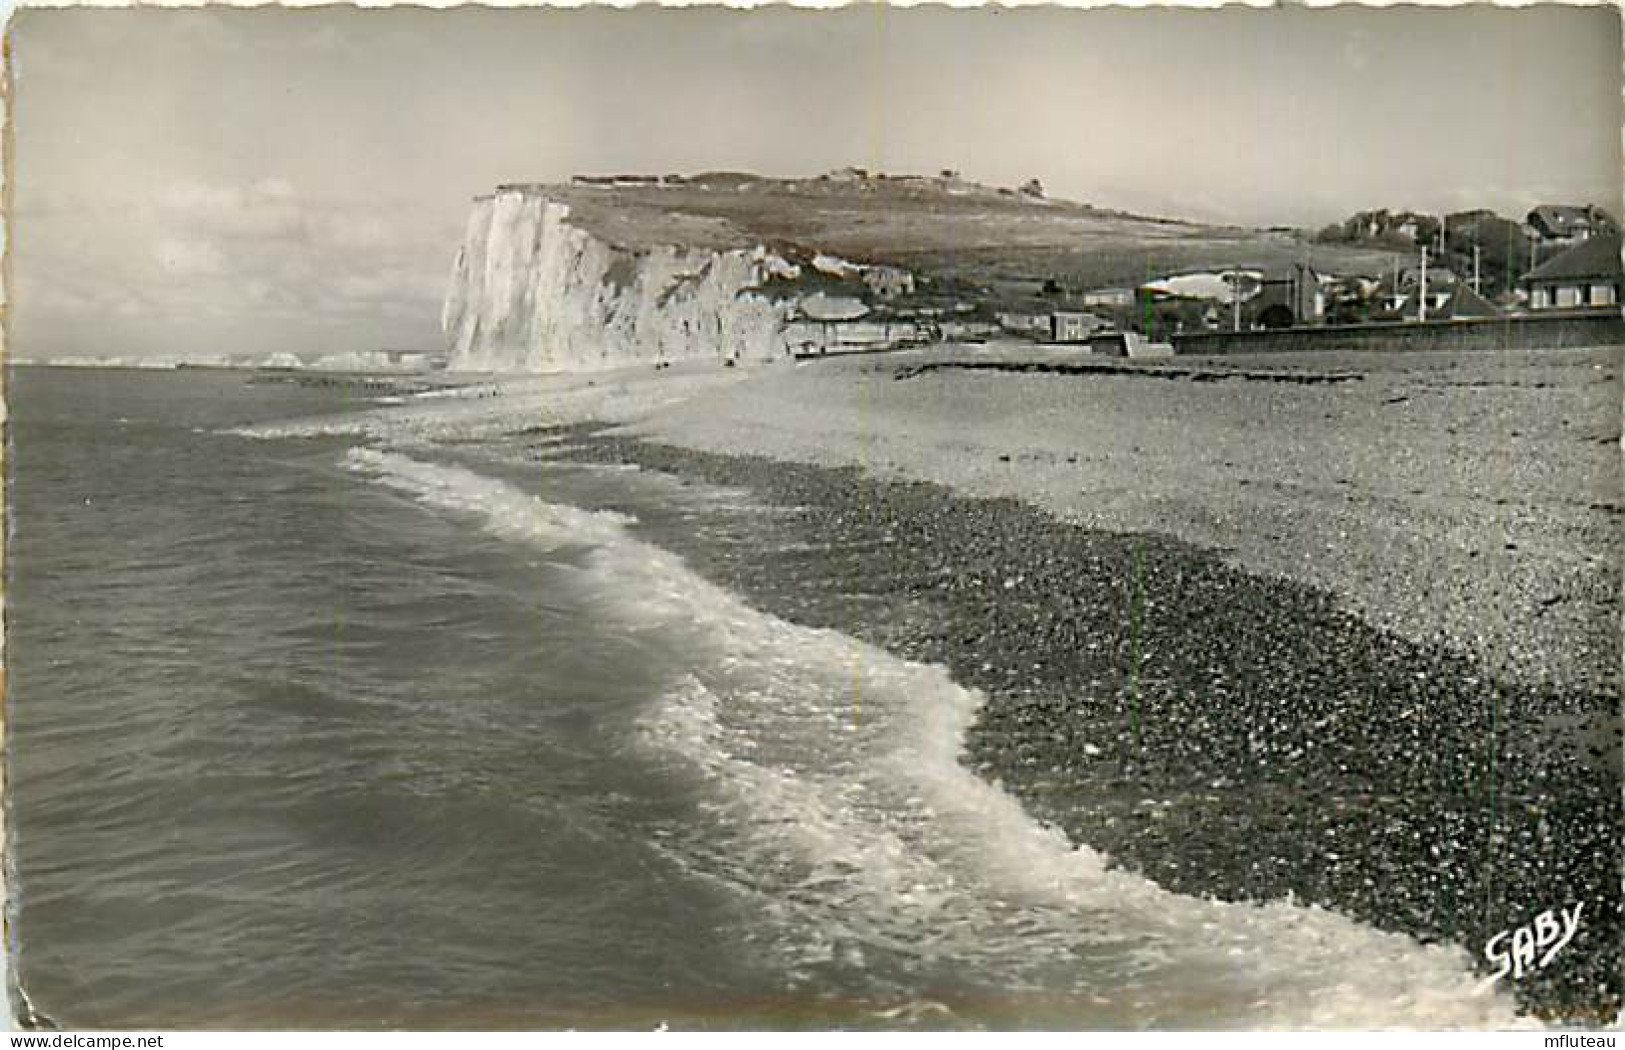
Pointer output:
1156, 371
1223, 734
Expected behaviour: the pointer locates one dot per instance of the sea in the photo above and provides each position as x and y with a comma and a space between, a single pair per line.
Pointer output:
343, 727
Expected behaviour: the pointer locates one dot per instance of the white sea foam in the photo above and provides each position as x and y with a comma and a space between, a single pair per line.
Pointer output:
359, 424
832, 797
490, 409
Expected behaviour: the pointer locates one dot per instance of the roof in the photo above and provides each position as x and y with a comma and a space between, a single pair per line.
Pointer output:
1594, 257
822, 307
1440, 278
1464, 302
1411, 308
1562, 218
1460, 301
1275, 273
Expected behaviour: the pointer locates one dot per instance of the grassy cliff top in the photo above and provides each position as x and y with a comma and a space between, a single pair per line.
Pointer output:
942, 227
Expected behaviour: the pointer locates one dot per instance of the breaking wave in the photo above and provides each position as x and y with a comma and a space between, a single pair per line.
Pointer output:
828, 795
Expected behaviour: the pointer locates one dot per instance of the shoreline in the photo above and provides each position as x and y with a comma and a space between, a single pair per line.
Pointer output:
1404, 785
1401, 593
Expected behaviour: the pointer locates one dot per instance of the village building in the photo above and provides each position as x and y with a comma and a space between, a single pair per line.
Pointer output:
1047, 320
1289, 295
806, 337
1588, 274
1351, 298
888, 282
835, 266
1272, 297
1565, 222
953, 329
1465, 303
1197, 284
1456, 301
1075, 326
1109, 297
1398, 297
827, 322
1030, 317
832, 306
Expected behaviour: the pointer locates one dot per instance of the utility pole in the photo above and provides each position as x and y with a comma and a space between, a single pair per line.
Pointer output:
1316, 304
1422, 289
1475, 269
1235, 298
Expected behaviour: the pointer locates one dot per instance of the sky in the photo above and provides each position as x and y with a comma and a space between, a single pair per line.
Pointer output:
190, 183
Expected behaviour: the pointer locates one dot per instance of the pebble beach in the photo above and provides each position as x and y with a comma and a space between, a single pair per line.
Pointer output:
1253, 640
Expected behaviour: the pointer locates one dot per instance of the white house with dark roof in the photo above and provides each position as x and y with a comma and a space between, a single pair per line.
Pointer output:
1569, 222
1589, 274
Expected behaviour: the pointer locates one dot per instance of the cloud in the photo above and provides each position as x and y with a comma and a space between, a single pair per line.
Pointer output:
186, 258
360, 229
264, 209
253, 254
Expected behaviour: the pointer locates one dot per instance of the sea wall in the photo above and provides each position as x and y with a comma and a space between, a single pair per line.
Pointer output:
531, 291
1530, 332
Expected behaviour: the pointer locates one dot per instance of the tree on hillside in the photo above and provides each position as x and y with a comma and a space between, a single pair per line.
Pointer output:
1332, 233
1503, 248
1033, 188
1365, 227
1427, 229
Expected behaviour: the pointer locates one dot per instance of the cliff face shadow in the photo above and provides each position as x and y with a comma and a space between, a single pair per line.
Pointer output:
1223, 734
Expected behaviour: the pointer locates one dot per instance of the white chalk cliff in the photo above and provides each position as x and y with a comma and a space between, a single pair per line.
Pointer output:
532, 291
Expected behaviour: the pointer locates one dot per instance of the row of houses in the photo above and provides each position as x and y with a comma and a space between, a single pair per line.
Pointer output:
1586, 275
878, 307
